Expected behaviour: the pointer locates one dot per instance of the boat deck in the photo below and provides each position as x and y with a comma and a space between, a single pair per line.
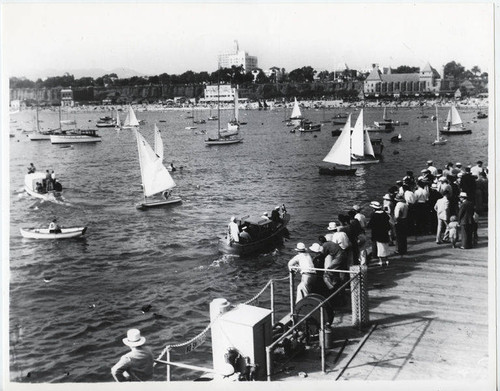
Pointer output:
430, 313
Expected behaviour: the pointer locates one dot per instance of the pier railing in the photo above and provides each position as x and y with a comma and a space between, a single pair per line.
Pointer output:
359, 303
360, 317
199, 339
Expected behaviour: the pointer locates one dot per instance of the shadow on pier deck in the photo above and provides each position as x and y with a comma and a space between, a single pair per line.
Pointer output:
430, 308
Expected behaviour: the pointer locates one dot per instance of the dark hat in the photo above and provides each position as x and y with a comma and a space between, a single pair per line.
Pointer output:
479, 162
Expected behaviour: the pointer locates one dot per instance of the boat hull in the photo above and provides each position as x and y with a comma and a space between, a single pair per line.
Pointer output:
333, 171
223, 141
73, 139
43, 233
39, 137
455, 132
364, 161
159, 203
256, 246
51, 195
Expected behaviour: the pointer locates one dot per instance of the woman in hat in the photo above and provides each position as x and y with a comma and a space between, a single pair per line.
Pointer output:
380, 226
401, 224
136, 365
305, 263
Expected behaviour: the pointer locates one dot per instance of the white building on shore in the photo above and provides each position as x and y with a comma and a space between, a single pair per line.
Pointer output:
237, 58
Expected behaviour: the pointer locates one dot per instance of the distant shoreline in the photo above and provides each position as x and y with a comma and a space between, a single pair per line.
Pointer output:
470, 104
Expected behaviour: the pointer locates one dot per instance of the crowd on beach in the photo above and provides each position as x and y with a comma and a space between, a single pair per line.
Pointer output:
443, 202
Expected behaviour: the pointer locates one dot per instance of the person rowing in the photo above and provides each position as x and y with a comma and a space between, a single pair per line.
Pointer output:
54, 228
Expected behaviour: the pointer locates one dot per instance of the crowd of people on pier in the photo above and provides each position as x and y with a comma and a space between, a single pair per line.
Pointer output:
443, 202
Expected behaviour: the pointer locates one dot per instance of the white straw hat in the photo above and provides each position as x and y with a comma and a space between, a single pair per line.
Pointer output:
300, 247
316, 248
332, 226
134, 338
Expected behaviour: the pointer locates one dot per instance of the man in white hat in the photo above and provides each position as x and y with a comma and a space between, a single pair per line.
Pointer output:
305, 262
359, 216
431, 168
136, 365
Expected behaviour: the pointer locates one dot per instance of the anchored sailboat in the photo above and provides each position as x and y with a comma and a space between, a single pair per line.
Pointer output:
131, 121
439, 140
38, 134
118, 124
224, 136
454, 124
296, 117
155, 177
234, 124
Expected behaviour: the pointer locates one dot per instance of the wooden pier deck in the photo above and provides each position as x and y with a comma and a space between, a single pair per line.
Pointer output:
430, 308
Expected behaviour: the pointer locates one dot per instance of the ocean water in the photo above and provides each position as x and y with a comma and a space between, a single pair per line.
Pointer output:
72, 301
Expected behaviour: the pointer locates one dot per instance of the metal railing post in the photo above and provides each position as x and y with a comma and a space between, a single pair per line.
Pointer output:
322, 339
272, 302
292, 300
268, 362
168, 366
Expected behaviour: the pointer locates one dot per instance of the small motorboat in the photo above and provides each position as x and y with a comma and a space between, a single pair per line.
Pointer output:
264, 233
43, 233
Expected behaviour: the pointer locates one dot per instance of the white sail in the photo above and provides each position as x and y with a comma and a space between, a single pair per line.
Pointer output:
357, 137
455, 117
296, 110
155, 177
158, 143
341, 150
118, 124
236, 105
131, 119
368, 145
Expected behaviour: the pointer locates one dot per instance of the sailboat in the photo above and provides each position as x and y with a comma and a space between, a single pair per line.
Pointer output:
439, 140
39, 135
69, 133
340, 154
361, 145
454, 124
224, 136
131, 121
155, 176
296, 116
234, 124
118, 124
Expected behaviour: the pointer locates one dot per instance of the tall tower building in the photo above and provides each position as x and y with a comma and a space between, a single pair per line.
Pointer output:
238, 57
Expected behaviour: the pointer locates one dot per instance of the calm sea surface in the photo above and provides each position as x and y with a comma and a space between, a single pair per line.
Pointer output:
70, 328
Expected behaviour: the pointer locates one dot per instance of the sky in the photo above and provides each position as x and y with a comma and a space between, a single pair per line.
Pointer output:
172, 38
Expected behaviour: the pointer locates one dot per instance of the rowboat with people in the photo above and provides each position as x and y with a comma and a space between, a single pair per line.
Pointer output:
262, 231
45, 233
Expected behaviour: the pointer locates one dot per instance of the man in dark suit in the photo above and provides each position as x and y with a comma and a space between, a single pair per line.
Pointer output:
468, 184
466, 220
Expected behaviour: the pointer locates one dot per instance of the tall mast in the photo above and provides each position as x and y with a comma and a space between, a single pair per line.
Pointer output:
218, 103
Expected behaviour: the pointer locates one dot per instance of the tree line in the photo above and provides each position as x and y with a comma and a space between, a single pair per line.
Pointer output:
233, 75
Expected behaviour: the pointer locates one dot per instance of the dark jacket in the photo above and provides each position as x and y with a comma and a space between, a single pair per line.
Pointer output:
380, 226
466, 213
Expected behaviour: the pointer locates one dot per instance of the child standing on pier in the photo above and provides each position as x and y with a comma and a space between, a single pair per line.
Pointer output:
452, 230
